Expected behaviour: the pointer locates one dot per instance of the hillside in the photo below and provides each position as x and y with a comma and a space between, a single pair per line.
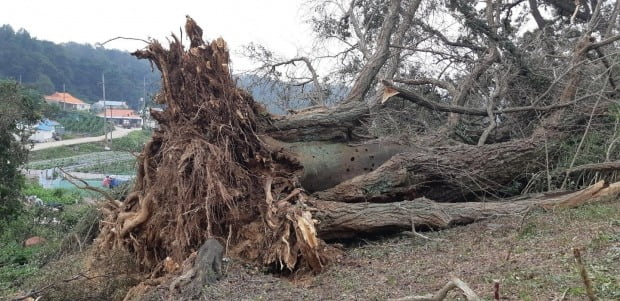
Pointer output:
47, 66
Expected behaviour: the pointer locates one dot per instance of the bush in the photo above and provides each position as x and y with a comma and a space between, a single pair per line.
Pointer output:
65, 233
19, 108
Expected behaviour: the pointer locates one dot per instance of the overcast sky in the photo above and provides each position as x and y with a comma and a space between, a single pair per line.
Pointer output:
275, 23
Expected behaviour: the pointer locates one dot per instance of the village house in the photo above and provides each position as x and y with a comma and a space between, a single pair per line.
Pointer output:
46, 130
122, 117
67, 101
98, 106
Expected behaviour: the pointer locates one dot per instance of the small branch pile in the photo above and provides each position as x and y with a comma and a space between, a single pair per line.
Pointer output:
206, 173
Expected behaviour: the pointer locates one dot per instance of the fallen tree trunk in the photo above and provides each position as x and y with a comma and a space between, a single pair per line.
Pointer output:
451, 173
345, 220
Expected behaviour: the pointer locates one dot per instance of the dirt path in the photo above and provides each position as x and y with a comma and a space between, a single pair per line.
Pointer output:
117, 133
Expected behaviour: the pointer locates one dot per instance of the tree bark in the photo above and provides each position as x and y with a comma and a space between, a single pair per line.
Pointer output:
345, 220
367, 75
540, 21
447, 174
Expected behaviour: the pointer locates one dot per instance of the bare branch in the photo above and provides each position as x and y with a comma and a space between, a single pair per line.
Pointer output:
121, 38
442, 107
429, 81
540, 21
603, 42
315, 78
72, 179
367, 75
443, 292
363, 48
444, 39
606, 166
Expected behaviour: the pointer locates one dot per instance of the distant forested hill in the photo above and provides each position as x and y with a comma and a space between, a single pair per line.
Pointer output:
47, 66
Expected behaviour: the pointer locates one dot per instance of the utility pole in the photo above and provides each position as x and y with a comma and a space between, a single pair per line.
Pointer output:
144, 102
64, 100
105, 115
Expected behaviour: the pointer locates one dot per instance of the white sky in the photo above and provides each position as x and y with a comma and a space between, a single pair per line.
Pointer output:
276, 24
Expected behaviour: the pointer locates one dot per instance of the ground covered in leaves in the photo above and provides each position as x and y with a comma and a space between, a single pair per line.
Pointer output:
532, 257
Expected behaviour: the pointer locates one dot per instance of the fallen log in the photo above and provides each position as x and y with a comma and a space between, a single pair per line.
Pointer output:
339, 220
447, 174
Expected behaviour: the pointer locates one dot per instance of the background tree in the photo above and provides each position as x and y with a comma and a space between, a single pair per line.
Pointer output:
19, 108
49, 67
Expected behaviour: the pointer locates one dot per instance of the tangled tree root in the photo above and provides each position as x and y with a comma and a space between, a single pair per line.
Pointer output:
206, 173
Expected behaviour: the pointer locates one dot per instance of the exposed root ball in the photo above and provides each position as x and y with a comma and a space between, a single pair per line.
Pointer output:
206, 173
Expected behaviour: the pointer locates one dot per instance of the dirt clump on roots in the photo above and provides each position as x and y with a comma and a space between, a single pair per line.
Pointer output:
207, 174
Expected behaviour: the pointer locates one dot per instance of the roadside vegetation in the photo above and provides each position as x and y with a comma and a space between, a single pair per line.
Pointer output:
56, 195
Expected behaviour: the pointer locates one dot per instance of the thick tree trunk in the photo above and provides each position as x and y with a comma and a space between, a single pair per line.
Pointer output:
385, 171
450, 173
321, 124
345, 220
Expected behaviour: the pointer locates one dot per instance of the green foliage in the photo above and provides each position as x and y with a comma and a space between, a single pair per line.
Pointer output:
133, 142
18, 263
18, 109
47, 67
56, 195
51, 111
82, 122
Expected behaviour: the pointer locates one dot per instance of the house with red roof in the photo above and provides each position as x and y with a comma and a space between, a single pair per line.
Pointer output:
67, 101
122, 117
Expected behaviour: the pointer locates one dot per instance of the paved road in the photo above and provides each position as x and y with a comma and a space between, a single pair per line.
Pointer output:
117, 133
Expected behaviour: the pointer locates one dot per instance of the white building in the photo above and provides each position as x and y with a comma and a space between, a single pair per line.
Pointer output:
98, 106
122, 117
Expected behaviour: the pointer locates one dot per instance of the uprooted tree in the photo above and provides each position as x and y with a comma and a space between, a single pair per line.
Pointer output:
273, 189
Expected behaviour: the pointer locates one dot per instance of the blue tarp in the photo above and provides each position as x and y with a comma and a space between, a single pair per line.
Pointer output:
43, 127
50, 122
47, 125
